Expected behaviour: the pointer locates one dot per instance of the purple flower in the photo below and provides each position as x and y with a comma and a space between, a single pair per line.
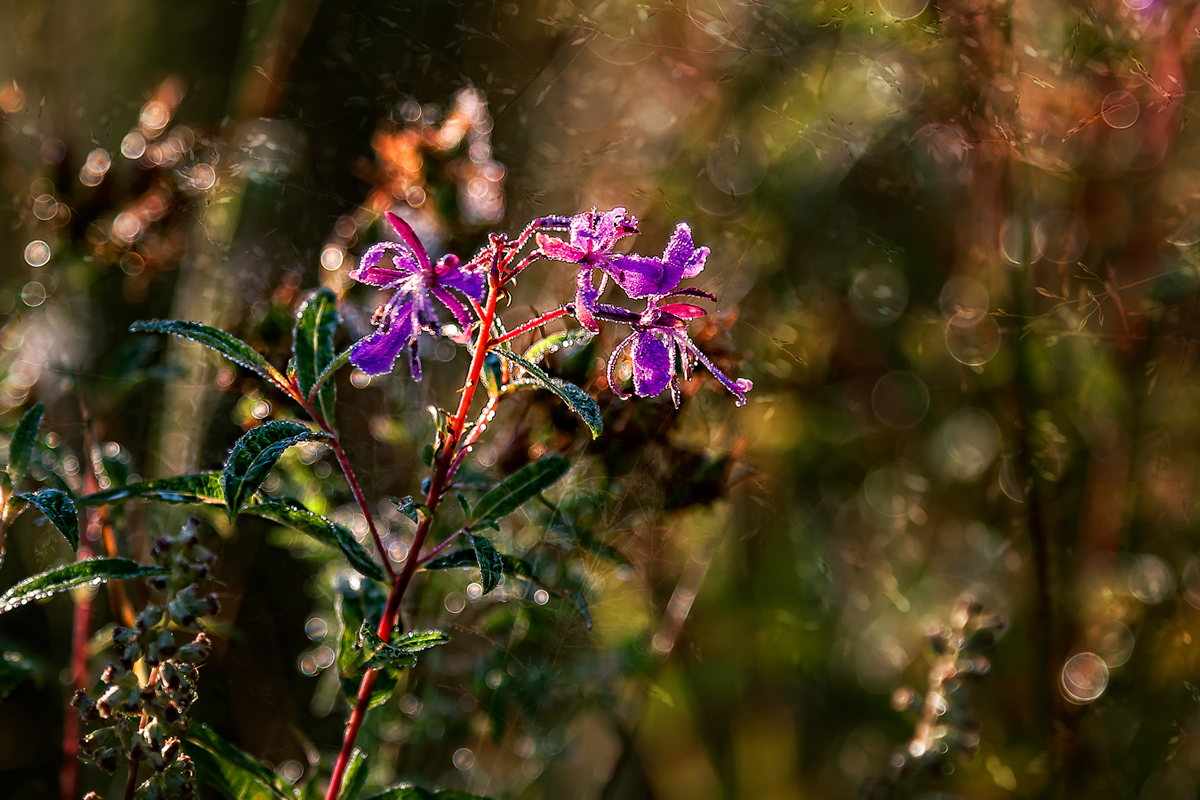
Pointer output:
643, 276
592, 237
660, 347
416, 283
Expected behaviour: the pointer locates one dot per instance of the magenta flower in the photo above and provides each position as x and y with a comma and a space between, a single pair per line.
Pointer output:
643, 276
660, 347
416, 283
592, 237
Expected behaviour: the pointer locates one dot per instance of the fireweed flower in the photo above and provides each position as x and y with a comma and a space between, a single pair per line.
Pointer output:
660, 347
416, 283
591, 238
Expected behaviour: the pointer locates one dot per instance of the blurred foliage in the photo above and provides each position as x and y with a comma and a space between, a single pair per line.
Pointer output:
954, 245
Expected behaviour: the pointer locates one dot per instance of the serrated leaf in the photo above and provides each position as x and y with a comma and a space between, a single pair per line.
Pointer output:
230, 769
406, 791
20, 448
202, 488
523, 485
231, 347
253, 456
356, 776
466, 558
92, 570
576, 399
292, 513
491, 566
555, 342
57, 507
312, 348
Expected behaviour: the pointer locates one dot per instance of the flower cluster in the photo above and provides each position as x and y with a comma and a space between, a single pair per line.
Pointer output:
659, 345
145, 722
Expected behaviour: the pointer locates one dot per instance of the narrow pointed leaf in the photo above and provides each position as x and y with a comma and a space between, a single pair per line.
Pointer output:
231, 770
491, 565
406, 791
57, 507
293, 514
466, 558
231, 347
359, 605
93, 570
20, 449
312, 348
255, 454
413, 510
401, 651
202, 488
356, 776
555, 342
576, 399
523, 485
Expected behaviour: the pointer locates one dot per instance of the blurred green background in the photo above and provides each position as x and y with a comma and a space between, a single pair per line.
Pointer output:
953, 244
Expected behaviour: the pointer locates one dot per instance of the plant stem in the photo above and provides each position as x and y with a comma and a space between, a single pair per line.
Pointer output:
359, 498
538, 322
436, 485
131, 781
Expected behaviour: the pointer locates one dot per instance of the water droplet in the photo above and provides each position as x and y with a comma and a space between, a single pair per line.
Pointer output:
1120, 109
541, 597
1084, 678
37, 253
879, 295
464, 759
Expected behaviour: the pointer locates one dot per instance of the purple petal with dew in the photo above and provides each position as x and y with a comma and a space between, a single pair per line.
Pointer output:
470, 283
682, 255
651, 365
368, 270
558, 250
376, 354
585, 300
738, 387
612, 365
640, 276
609, 227
409, 237
583, 227
616, 314
553, 222
457, 309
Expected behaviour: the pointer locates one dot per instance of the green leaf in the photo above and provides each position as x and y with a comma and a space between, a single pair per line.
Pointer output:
356, 603
231, 347
523, 485
92, 570
412, 509
406, 791
57, 507
20, 448
511, 565
312, 348
576, 399
466, 507
254, 454
400, 652
356, 776
230, 769
292, 513
555, 342
491, 566
200, 488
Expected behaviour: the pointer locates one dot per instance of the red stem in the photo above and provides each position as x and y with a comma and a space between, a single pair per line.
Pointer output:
400, 582
533, 323
359, 498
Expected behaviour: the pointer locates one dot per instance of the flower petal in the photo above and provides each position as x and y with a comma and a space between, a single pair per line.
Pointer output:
470, 283
683, 310
457, 309
682, 255
558, 250
409, 237
368, 270
585, 300
651, 365
640, 276
376, 353
613, 358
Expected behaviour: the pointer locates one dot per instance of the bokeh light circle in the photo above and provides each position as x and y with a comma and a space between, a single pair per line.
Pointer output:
975, 345
37, 253
879, 294
1120, 109
1084, 678
900, 399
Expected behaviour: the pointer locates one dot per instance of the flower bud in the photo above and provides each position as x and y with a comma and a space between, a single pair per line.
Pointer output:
162, 648
149, 617
197, 651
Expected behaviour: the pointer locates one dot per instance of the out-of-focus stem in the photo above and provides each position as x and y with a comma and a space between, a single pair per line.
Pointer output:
436, 486
473, 436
